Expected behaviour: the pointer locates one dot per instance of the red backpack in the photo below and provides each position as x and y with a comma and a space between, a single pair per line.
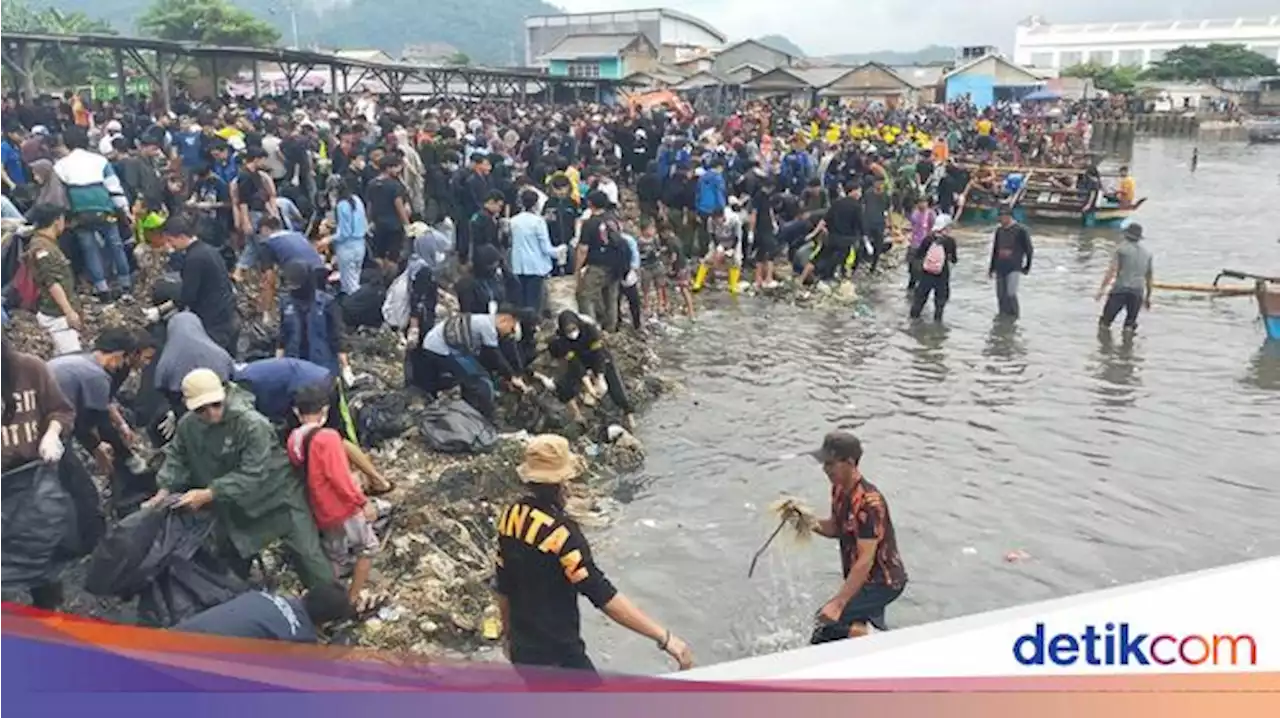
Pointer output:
24, 284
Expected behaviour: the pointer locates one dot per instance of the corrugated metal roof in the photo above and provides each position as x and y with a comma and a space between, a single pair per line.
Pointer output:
819, 77
920, 75
573, 47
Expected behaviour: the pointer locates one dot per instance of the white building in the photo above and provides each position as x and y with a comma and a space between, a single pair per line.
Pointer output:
1040, 44
677, 35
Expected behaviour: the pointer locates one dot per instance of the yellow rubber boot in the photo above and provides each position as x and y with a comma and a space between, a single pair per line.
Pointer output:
700, 278
735, 274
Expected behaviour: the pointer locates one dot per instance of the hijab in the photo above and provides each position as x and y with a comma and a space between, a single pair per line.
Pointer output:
52, 191
186, 348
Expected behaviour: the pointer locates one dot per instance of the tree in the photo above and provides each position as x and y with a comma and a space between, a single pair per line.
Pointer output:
458, 58
1118, 79
1213, 62
213, 22
49, 65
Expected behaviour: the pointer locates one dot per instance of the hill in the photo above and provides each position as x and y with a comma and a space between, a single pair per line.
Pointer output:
923, 56
489, 31
781, 43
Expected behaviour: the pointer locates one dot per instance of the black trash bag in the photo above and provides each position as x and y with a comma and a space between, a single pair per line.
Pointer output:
168, 288
384, 415
257, 341
363, 308
129, 490
161, 555
39, 521
90, 522
455, 427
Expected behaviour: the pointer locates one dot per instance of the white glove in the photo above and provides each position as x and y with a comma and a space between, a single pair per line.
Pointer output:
519, 384
167, 425
411, 336
348, 376
151, 314
51, 446
562, 254
136, 464
631, 279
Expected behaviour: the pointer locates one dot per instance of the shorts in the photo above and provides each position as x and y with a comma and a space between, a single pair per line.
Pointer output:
866, 607
652, 276
388, 243
354, 539
680, 278
766, 247
65, 339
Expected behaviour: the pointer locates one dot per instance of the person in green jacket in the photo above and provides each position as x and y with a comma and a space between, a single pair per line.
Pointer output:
226, 454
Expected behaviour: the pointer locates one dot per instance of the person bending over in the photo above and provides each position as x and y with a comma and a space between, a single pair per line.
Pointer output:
588, 366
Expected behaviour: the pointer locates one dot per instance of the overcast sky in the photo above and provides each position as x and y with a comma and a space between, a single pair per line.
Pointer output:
824, 27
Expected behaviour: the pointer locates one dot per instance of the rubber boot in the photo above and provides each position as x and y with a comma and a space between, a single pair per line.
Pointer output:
735, 274
700, 278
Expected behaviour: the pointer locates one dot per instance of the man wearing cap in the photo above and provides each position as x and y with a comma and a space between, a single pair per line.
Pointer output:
1130, 278
1010, 258
226, 454
544, 563
874, 575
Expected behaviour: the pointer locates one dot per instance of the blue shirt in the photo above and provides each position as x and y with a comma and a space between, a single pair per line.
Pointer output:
284, 247
352, 223
190, 148
274, 382
532, 254
12, 159
635, 250
227, 170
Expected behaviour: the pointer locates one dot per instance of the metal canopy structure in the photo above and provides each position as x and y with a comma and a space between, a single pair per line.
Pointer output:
159, 58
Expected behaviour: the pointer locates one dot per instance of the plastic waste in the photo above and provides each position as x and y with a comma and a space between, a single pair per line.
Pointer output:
39, 519
455, 427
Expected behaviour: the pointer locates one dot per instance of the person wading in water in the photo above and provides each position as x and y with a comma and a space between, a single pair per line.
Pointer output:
1010, 259
1130, 278
874, 575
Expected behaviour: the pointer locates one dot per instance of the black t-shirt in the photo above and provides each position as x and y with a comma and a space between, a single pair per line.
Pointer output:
792, 233
380, 198
762, 203
544, 563
256, 614
605, 246
206, 288
844, 218
251, 190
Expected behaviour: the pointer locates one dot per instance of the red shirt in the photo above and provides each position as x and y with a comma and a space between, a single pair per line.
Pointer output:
335, 495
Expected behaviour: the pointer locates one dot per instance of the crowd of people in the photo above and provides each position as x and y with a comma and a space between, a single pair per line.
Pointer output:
359, 213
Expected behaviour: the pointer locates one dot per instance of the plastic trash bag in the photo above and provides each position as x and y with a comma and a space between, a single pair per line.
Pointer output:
257, 341
395, 308
382, 415
160, 554
364, 307
456, 427
39, 522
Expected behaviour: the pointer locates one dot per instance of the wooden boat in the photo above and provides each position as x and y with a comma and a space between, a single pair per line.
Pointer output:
1267, 290
1044, 201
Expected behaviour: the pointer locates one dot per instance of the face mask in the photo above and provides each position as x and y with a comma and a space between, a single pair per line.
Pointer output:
572, 335
518, 333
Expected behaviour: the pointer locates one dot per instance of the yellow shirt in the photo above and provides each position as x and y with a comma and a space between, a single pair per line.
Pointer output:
575, 190
1128, 190
984, 127
833, 135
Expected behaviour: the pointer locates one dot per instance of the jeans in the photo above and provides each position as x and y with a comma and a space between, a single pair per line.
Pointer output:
249, 255
1007, 293
531, 292
96, 237
939, 285
349, 251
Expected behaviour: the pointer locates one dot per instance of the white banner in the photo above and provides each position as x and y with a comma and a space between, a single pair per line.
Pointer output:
1220, 620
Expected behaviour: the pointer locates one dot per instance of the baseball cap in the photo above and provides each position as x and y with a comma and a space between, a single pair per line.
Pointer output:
201, 388
837, 446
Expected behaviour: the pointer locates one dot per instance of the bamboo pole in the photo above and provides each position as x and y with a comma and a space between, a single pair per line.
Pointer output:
1222, 291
